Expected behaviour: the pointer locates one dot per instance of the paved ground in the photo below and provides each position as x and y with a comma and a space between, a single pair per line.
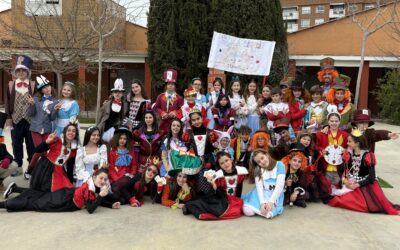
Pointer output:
157, 227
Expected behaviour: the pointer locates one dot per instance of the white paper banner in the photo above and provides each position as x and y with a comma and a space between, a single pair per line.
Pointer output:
240, 55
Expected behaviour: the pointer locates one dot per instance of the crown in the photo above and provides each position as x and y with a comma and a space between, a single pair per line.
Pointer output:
73, 120
194, 110
190, 91
356, 132
155, 161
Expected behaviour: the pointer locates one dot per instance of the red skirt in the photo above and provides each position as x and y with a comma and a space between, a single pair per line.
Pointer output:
369, 199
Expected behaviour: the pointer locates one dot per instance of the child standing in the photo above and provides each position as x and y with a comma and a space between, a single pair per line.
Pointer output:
224, 202
223, 114
315, 115
67, 108
238, 103
112, 112
266, 198
276, 109
250, 96
91, 156
190, 103
42, 113
212, 97
263, 101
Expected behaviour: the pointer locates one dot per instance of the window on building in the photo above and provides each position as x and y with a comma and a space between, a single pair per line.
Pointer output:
368, 6
306, 10
353, 7
305, 23
319, 21
320, 9
43, 7
289, 12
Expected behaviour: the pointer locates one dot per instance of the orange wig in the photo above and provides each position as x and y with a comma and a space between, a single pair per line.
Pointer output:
330, 96
263, 134
304, 161
323, 71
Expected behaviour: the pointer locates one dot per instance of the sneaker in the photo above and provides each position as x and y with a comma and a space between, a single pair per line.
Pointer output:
9, 190
16, 172
269, 215
27, 175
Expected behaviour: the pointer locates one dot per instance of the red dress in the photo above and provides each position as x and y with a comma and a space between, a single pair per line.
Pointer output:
296, 115
369, 197
117, 171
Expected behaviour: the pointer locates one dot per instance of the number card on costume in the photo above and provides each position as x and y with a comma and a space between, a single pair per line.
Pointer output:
240, 55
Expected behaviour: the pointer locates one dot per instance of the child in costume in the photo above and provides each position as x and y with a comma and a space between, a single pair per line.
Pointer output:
363, 191
260, 140
144, 184
224, 142
199, 140
315, 115
42, 113
263, 101
112, 113
250, 96
362, 120
168, 104
276, 109
266, 198
190, 103
91, 156
90, 195
223, 202
5, 156
339, 96
178, 190
67, 108
55, 170
298, 100
327, 74
175, 155
148, 139
238, 103
283, 138
223, 113
18, 100
241, 146
137, 104
122, 163
334, 136
296, 183
218, 88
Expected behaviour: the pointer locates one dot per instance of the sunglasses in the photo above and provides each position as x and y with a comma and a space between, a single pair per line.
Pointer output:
153, 171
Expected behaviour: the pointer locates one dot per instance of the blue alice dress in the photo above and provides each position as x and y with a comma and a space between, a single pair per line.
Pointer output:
69, 109
269, 188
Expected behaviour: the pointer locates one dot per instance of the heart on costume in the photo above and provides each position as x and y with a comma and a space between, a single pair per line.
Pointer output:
200, 137
336, 146
231, 181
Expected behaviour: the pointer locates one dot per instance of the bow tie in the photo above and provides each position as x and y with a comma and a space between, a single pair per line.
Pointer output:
44, 98
22, 84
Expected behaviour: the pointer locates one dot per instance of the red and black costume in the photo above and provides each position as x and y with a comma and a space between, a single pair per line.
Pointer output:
369, 197
54, 171
165, 104
149, 144
62, 200
224, 118
224, 202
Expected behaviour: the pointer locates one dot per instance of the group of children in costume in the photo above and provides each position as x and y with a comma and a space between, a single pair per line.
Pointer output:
195, 153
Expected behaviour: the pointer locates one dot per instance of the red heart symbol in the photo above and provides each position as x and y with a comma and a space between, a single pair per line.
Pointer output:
257, 61
200, 137
231, 181
333, 161
336, 146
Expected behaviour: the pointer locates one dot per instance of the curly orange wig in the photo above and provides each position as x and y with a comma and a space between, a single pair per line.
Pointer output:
322, 72
330, 96
304, 161
263, 134
289, 97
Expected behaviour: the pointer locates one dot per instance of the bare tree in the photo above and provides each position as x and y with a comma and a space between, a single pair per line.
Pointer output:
107, 18
369, 27
54, 34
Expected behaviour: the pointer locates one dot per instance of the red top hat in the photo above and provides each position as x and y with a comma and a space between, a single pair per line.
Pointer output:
281, 124
170, 76
362, 115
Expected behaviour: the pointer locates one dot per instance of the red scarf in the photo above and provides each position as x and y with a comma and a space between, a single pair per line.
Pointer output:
341, 105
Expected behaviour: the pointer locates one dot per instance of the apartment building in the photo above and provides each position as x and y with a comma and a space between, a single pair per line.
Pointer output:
301, 14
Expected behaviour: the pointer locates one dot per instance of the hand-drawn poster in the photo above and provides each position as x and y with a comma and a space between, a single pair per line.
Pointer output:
240, 55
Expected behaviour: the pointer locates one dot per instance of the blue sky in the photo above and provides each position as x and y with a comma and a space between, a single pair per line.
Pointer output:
134, 4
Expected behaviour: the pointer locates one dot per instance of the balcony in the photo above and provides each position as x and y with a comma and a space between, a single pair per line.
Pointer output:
337, 13
292, 28
294, 15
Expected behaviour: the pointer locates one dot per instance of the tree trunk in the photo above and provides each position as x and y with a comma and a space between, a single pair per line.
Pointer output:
358, 85
100, 62
59, 83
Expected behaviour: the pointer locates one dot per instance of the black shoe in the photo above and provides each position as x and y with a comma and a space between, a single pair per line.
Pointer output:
9, 190
185, 211
300, 203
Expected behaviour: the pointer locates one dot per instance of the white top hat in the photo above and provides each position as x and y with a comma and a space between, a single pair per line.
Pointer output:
118, 85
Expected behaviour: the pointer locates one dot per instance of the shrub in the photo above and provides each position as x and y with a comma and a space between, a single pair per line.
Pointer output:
388, 96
